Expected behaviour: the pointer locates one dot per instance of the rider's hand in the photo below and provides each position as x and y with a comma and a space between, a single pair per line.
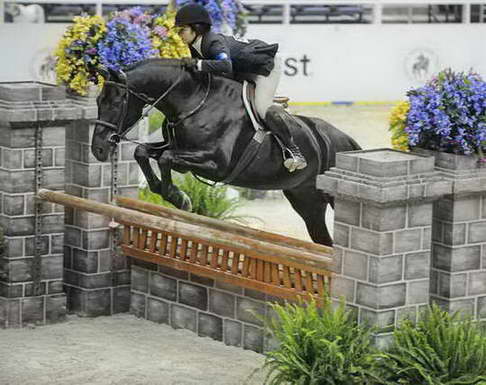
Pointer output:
189, 63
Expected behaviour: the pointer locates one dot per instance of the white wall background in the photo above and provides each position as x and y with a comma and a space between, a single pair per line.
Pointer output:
25, 47
371, 62
345, 62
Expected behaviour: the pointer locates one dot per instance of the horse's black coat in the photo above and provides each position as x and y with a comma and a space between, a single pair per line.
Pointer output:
210, 142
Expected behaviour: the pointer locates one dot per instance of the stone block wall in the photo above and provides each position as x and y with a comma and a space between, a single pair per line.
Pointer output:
458, 276
97, 281
31, 290
410, 228
382, 233
209, 308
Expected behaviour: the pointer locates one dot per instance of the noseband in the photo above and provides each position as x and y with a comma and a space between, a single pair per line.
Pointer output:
117, 133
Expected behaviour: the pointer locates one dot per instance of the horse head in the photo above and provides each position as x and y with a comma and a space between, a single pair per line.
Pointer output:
123, 97
119, 109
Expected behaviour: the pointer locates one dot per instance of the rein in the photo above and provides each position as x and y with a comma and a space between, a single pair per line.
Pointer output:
116, 136
171, 126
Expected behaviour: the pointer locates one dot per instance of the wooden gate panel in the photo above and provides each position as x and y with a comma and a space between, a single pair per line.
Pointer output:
270, 263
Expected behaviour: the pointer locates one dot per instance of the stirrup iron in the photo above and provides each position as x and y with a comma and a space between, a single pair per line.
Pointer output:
296, 160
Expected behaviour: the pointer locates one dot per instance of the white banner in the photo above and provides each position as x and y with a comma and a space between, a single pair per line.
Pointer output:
370, 62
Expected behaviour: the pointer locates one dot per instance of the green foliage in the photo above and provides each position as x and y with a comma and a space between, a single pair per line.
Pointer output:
320, 346
146, 195
206, 200
156, 118
250, 194
440, 350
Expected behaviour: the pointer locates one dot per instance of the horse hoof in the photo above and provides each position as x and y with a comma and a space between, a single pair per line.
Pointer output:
186, 203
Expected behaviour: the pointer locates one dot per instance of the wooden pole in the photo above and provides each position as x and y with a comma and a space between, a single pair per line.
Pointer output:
190, 230
184, 216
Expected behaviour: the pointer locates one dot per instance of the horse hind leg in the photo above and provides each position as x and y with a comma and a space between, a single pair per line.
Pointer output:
311, 205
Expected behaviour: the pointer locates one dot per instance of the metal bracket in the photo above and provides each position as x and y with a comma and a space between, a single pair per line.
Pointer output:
114, 229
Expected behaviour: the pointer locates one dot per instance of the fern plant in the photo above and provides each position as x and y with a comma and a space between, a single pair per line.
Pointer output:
320, 346
156, 119
442, 349
211, 201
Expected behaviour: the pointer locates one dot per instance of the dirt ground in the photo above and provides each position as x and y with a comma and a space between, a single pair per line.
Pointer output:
121, 350
124, 350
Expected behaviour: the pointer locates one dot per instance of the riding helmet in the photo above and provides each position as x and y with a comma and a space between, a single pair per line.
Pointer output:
192, 14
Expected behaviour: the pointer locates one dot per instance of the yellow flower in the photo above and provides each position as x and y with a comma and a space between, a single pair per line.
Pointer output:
398, 122
71, 69
172, 45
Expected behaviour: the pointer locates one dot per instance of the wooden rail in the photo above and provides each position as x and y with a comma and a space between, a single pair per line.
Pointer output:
254, 259
184, 216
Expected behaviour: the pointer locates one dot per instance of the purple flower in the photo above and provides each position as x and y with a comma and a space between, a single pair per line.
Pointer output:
125, 43
160, 31
449, 113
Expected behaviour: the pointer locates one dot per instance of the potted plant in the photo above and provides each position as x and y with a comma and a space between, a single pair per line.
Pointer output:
130, 36
445, 118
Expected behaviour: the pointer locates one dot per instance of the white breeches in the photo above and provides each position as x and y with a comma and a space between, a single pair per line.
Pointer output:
265, 87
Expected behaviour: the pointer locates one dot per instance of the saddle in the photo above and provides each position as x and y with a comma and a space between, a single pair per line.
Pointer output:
257, 121
261, 131
248, 96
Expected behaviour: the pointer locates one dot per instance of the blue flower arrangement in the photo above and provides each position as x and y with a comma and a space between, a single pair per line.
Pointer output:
128, 37
230, 11
125, 43
448, 114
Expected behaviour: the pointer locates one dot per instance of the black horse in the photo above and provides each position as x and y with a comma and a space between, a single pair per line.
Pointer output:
208, 132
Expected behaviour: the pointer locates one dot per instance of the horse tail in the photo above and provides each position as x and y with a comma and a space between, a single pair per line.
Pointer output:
325, 150
354, 144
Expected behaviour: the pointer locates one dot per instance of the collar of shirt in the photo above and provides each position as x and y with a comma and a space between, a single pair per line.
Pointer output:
197, 45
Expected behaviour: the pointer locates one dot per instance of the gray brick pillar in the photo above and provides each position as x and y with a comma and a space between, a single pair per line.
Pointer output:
458, 279
382, 233
97, 282
24, 106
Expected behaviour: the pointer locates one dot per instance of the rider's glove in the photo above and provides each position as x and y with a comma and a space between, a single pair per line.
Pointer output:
189, 63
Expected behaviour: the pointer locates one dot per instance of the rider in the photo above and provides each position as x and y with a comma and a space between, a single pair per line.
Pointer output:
251, 60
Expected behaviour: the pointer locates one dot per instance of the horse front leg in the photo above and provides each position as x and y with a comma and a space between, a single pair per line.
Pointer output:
143, 153
197, 161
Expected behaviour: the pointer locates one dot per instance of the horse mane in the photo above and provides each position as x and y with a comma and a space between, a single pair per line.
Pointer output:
155, 60
154, 63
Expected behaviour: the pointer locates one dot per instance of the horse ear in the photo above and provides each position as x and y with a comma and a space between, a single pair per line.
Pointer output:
103, 71
118, 76
123, 77
113, 74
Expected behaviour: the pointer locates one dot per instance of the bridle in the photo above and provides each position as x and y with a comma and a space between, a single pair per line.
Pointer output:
117, 134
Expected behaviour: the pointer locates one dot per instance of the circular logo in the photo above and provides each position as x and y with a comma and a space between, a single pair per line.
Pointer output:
43, 66
421, 64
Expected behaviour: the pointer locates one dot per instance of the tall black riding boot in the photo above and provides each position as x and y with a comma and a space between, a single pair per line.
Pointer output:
278, 121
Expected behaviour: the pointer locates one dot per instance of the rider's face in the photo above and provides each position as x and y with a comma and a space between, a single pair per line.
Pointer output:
187, 34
